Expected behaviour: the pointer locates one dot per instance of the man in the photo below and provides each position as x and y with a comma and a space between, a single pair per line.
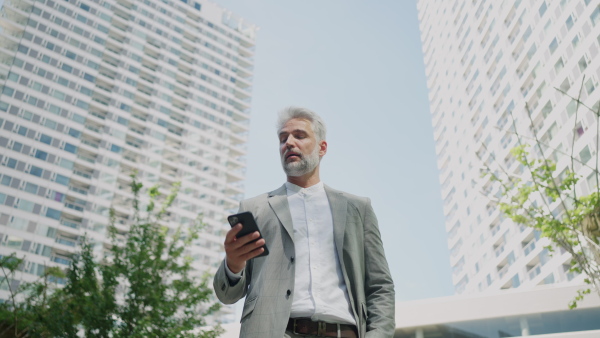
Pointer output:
326, 273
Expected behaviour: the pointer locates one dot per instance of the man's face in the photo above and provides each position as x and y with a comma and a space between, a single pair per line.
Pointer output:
298, 147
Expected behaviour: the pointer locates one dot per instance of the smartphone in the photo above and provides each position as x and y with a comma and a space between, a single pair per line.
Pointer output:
249, 226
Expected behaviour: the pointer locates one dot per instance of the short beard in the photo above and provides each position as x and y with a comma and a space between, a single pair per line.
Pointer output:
306, 164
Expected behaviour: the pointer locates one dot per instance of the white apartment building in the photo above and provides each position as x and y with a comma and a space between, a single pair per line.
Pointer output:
485, 60
92, 90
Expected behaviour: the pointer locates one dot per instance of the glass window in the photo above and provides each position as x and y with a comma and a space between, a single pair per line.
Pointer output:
585, 155
66, 68
42, 155
115, 149
59, 95
595, 17
78, 118
59, 197
569, 22
553, 45
14, 242
45, 138
60, 179
74, 132
11, 163
54, 109
122, 121
82, 104
70, 148
8, 91
53, 213
17, 146
25, 205
36, 171
85, 91
5, 180
89, 77
50, 124
66, 163
30, 187
13, 77
582, 63
575, 41
590, 85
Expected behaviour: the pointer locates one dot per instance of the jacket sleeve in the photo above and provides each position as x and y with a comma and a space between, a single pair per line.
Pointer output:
227, 292
379, 286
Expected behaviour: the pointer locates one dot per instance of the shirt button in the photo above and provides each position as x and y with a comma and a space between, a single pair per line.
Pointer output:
288, 293
292, 259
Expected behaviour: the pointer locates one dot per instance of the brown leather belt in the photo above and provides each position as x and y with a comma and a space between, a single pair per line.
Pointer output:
306, 326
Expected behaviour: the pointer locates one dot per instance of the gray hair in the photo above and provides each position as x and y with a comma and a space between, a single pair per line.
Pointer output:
316, 122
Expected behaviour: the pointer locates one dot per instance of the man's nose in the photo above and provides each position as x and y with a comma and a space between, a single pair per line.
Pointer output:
289, 142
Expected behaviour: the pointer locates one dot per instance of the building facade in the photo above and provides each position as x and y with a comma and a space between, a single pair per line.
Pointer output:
93, 90
541, 312
487, 63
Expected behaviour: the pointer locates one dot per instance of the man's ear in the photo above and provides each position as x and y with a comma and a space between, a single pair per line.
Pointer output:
322, 148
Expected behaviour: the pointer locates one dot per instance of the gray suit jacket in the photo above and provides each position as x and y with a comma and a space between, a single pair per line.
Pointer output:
268, 282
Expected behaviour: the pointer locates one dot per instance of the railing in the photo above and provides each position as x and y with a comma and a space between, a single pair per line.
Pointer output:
102, 117
82, 174
74, 206
79, 190
90, 143
66, 241
87, 159
61, 260
70, 224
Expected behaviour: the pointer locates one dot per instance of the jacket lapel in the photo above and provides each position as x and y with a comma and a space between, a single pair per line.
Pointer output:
339, 206
279, 204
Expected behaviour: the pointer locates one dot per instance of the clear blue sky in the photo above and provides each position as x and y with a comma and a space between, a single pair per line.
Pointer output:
360, 66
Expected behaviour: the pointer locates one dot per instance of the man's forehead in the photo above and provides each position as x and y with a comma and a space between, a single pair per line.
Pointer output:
296, 125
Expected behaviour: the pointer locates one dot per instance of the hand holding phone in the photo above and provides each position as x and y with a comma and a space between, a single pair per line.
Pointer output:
244, 244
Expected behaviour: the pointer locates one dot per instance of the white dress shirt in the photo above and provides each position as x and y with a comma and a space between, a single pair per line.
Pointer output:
320, 292
319, 289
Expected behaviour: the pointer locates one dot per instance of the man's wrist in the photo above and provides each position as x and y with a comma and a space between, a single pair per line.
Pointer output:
233, 277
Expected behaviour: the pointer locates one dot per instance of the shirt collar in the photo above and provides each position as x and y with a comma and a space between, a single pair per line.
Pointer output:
294, 189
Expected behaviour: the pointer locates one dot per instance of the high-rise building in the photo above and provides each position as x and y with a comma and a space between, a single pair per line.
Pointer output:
486, 61
92, 90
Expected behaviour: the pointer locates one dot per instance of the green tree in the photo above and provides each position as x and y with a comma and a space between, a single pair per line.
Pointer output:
144, 288
19, 313
542, 197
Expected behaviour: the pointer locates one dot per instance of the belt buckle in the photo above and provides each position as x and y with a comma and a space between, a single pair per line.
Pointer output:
321, 329
294, 327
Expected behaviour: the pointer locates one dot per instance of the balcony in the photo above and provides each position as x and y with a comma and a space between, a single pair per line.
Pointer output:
498, 251
527, 249
534, 271
502, 271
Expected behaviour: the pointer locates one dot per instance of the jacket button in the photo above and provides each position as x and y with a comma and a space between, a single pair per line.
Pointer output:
288, 293
292, 259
